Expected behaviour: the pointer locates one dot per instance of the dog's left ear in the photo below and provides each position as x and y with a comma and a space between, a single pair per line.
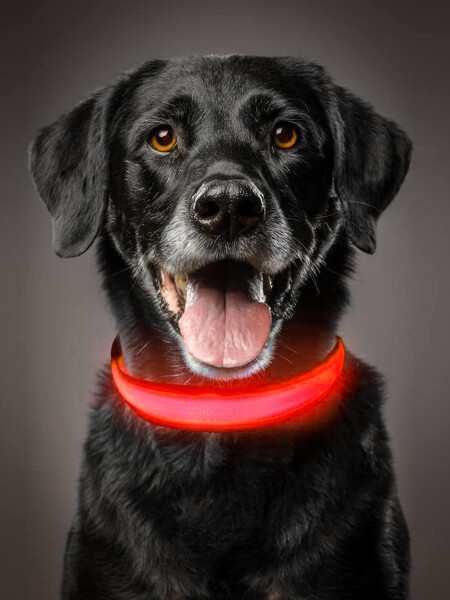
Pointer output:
372, 156
70, 167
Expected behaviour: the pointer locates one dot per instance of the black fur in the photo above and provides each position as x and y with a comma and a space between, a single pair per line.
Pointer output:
307, 512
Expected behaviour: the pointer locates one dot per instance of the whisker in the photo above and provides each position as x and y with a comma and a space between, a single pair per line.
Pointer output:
128, 268
143, 347
365, 204
322, 217
284, 358
331, 270
281, 343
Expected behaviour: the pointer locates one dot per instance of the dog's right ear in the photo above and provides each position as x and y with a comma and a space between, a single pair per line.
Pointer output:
69, 162
372, 156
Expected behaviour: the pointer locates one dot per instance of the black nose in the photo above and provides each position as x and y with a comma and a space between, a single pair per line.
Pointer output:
228, 208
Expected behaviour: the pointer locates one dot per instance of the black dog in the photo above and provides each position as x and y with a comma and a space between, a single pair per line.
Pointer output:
210, 183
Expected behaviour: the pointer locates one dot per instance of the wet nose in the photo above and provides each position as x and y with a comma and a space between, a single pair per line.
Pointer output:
228, 208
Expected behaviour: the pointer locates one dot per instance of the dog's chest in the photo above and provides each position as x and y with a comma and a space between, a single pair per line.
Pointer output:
227, 509
222, 516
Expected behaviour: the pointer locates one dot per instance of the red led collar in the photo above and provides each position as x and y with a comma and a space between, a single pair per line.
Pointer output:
199, 408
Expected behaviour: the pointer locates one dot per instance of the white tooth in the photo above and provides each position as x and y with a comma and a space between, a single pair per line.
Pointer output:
169, 293
181, 283
191, 292
267, 284
256, 287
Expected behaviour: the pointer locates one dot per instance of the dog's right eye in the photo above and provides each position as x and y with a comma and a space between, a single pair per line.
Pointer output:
284, 136
163, 139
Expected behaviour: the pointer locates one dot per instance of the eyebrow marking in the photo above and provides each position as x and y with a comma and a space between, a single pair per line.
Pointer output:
261, 106
179, 108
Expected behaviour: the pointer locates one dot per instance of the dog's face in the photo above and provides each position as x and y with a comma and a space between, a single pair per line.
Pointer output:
223, 183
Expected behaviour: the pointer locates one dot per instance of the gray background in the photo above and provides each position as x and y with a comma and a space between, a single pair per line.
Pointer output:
55, 327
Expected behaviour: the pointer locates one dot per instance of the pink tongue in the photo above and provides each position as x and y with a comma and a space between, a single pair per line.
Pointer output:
222, 325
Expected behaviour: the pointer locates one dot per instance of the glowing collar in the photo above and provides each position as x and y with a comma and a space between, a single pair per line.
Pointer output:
199, 408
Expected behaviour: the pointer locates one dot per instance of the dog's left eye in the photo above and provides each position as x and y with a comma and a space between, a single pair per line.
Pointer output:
163, 139
284, 136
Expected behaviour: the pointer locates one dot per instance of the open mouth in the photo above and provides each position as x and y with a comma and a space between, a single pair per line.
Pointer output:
224, 312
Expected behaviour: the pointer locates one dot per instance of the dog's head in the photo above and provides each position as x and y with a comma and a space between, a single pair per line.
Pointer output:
223, 183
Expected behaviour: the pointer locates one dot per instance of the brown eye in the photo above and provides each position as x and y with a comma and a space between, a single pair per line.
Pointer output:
163, 139
284, 136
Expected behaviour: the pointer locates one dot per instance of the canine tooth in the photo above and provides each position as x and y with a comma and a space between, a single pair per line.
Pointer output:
267, 284
256, 286
181, 283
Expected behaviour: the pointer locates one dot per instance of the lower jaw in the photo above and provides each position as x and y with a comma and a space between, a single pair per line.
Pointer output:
156, 354
235, 374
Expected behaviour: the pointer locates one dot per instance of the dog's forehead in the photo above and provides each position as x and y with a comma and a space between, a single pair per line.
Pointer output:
224, 81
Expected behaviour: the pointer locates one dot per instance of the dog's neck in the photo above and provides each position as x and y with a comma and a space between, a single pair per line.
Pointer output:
149, 356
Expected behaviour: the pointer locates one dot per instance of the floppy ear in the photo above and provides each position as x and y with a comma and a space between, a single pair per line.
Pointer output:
372, 156
69, 163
